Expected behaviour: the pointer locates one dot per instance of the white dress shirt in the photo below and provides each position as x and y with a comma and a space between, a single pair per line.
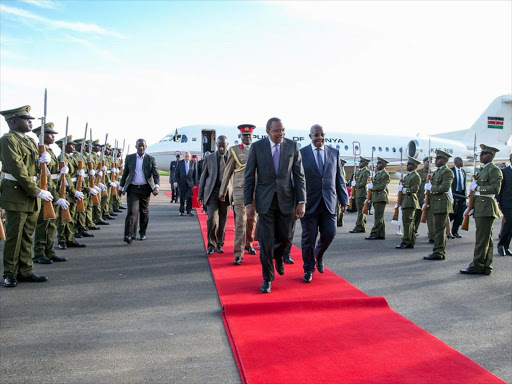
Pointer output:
138, 178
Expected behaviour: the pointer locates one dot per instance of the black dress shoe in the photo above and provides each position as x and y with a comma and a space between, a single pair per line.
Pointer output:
371, 237
450, 236
219, 250
78, 236
288, 260
471, 271
142, 237
109, 217
457, 236
320, 266
251, 251
114, 214
117, 210
431, 241
356, 231
58, 259
127, 239
33, 278
280, 267
43, 260
501, 250
308, 277
190, 213
102, 222
75, 244
62, 246
508, 252
86, 234
122, 207
266, 287
238, 260
404, 246
210, 250
10, 281
433, 257
181, 213
94, 228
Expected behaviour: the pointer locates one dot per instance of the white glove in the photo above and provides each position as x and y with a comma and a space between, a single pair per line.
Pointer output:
100, 174
79, 195
370, 185
92, 172
64, 170
45, 157
353, 183
104, 168
93, 191
428, 186
471, 212
81, 173
400, 188
114, 170
423, 207
113, 185
45, 195
63, 203
404, 191
97, 189
473, 185
118, 184
103, 187
396, 205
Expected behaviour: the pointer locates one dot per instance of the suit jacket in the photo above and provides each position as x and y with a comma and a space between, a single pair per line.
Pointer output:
505, 195
172, 170
148, 167
328, 183
209, 177
262, 182
184, 179
454, 183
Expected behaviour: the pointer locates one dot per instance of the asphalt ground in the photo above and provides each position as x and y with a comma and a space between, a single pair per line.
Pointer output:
149, 312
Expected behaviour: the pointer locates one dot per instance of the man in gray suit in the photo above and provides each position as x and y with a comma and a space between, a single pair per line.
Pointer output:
209, 188
140, 179
279, 192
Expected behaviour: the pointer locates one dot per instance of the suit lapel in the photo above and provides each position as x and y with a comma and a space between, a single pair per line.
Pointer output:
282, 148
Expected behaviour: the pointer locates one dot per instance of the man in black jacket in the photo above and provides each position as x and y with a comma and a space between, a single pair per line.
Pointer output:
172, 170
459, 196
185, 178
505, 204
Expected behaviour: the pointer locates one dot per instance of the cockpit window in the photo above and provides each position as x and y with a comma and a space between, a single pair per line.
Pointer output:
176, 138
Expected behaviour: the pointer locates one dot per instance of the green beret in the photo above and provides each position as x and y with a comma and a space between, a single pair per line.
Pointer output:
440, 153
381, 160
361, 158
48, 128
426, 158
487, 149
411, 160
17, 112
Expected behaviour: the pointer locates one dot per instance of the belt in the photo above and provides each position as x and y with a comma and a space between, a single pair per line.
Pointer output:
73, 179
55, 176
477, 193
8, 176
109, 171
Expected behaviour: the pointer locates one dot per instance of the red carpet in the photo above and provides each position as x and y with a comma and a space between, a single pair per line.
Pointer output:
325, 332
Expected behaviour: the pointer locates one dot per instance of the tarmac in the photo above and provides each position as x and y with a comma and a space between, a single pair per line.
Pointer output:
149, 313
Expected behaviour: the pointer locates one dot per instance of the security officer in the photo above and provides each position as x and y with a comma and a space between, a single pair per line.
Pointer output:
172, 169
421, 199
359, 183
340, 212
440, 203
410, 204
379, 187
486, 186
234, 173
46, 230
20, 196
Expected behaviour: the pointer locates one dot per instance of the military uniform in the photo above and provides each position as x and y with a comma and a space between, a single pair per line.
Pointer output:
441, 206
81, 217
361, 179
410, 206
379, 199
96, 209
234, 172
105, 196
339, 216
488, 180
421, 199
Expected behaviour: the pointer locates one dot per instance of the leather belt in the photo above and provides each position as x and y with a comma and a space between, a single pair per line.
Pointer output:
73, 179
8, 176
477, 193
55, 176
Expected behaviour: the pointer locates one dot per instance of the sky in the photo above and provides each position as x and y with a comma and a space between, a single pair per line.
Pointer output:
140, 69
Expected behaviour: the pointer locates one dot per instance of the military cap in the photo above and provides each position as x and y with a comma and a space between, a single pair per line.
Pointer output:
440, 153
78, 141
70, 141
361, 158
487, 149
87, 142
48, 128
96, 143
23, 112
343, 162
381, 160
246, 129
411, 160
425, 158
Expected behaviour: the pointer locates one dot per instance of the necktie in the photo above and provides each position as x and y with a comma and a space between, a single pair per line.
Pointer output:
275, 157
459, 187
320, 160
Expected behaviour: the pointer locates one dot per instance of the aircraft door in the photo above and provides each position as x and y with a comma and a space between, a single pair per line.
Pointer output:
207, 141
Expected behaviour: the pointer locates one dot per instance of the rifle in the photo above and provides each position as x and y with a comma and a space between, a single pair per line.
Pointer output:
48, 211
64, 213
399, 198
114, 167
369, 194
465, 222
95, 199
2, 230
352, 189
80, 205
427, 194
101, 164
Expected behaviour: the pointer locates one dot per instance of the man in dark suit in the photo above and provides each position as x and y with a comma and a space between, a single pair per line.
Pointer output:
459, 196
185, 179
279, 192
324, 186
209, 188
172, 170
140, 179
505, 204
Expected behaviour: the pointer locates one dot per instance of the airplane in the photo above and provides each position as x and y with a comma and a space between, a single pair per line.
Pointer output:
494, 127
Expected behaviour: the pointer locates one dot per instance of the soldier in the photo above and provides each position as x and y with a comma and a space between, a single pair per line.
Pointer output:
359, 183
81, 217
106, 169
379, 187
486, 186
97, 212
45, 231
117, 197
19, 196
234, 172
421, 199
172, 169
410, 204
340, 212
440, 204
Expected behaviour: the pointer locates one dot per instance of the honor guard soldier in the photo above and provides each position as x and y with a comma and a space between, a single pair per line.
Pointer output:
410, 204
421, 199
234, 172
46, 230
486, 186
89, 216
20, 196
106, 169
340, 212
359, 183
379, 187
97, 212
81, 217
440, 204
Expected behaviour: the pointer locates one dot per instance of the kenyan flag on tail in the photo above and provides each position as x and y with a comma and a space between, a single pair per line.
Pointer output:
495, 122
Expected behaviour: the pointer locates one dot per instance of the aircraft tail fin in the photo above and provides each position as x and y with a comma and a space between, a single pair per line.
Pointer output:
494, 126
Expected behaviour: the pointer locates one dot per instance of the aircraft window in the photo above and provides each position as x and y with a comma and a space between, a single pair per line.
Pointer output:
387, 149
374, 149
394, 149
168, 138
337, 147
346, 147
299, 145
357, 148
184, 138
380, 149
400, 150
236, 142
